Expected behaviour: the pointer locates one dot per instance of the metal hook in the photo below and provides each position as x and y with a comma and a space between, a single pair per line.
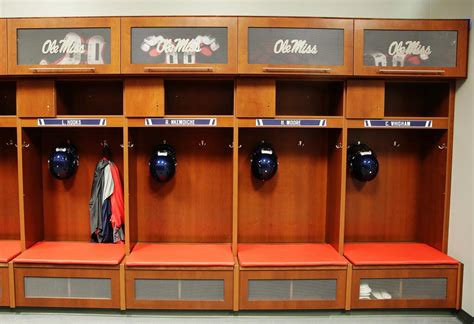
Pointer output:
300, 143
130, 145
232, 145
443, 146
202, 143
10, 143
24, 145
104, 143
396, 144
339, 146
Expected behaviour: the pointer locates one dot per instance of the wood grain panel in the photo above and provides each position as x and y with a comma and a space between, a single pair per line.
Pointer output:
390, 207
431, 222
36, 98
309, 98
255, 98
133, 303
196, 205
199, 97
4, 286
9, 204
7, 98
89, 97
288, 207
339, 274
31, 186
417, 99
144, 97
66, 203
420, 272
132, 226
335, 189
365, 98
104, 272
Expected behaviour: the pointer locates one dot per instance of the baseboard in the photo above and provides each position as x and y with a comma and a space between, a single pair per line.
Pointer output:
465, 317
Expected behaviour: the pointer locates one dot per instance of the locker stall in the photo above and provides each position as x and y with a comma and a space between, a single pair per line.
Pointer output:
181, 230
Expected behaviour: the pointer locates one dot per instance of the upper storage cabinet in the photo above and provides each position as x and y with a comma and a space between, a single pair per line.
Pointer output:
295, 46
3, 46
410, 47
168, 45
64, 45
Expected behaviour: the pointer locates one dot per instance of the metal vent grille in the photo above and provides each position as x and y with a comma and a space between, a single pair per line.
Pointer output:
323, 289
175, 289
404, 288
90, 288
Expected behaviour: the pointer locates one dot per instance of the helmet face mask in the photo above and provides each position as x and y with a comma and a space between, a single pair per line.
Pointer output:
362, 162
63, 161
264, 162
163, 163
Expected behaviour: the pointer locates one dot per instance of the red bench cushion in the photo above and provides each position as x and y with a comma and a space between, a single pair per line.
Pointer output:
9, 249
180, 254
394, 254
289, 254
83, 253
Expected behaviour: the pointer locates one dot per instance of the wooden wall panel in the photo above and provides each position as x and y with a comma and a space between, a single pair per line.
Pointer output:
66, 203
9, 205
144, 97
390, 207
290, 207
196, 205
365, 98
335, 189
31, 186
309, 98
36, 98
432, 194
255, 98
7, 98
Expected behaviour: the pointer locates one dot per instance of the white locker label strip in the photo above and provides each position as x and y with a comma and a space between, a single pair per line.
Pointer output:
291, 122
398, 123
72, 122
186, 122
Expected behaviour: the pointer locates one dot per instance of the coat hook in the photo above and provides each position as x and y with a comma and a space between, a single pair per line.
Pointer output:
300, 143
202, 143
443, 146
25, 145
10, 143
339, 146
104, 143
232, 145
130, 145
396, 144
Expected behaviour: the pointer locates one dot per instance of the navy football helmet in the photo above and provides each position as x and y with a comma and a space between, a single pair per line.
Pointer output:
362, 162
63, 161
264, 162
163, 163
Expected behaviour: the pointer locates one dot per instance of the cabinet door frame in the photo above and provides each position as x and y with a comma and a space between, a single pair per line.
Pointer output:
156, 22
32, 23
460, 26
286, 22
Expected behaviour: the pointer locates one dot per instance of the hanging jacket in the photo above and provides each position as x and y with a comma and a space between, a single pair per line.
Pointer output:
117, 218
95, 202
